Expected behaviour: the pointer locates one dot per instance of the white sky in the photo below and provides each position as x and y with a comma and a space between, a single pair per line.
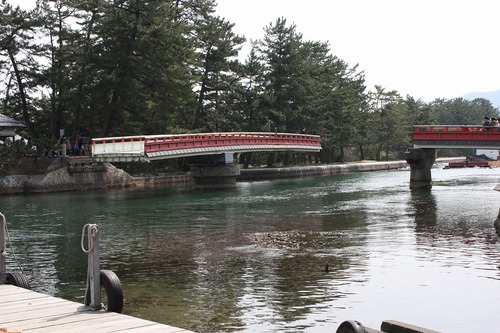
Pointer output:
426, 48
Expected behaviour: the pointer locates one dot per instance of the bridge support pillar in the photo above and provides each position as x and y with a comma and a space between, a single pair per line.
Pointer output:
420, 161
214, 171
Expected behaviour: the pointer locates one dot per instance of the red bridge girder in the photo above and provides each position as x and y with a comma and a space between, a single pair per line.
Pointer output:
187, 141
456, 136
153, 147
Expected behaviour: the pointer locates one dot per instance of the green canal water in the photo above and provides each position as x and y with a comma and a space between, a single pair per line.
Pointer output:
254, 258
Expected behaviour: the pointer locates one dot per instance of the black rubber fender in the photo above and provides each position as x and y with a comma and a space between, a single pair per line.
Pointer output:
114, 292
18, 280
351, 326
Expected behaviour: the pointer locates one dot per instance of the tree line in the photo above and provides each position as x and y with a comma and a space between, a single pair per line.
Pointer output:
128, 67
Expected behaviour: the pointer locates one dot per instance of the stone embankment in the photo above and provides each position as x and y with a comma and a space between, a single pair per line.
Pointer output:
82, 175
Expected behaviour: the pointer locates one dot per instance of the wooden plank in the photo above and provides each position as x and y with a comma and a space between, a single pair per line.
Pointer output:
86, 324
59, 323
29, 300
54, 311
97, 321
393, 326
6, 292
22, 305
110, 325
155, 328
371, 330
29, 311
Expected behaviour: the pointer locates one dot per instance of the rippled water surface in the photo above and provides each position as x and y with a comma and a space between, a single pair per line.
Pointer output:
298, 255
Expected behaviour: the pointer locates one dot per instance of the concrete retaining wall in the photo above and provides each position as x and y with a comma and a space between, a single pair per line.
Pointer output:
317, 170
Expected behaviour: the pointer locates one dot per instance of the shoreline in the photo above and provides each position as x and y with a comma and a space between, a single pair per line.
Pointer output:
328, 169
106, 176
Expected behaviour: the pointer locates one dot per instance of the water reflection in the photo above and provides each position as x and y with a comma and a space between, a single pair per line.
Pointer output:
253, 259
424, 209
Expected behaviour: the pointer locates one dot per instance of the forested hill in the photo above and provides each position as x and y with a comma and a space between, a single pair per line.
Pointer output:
492, 96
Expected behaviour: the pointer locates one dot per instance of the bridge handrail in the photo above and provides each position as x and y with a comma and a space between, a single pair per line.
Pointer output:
141, 146
456, 136
451, 128
201, 136
232, 139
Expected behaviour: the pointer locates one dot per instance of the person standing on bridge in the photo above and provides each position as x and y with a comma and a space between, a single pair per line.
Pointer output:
486, 124
494, 123
68, 145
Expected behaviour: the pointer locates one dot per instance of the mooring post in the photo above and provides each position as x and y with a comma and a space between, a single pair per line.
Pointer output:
420, 161
3, 250
94, 268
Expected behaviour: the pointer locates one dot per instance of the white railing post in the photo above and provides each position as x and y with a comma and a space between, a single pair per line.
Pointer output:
3, 250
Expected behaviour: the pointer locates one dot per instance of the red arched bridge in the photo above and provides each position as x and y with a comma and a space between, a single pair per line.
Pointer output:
456, 136
155, 147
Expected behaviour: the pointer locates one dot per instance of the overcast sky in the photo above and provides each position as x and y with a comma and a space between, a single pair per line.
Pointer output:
426, 48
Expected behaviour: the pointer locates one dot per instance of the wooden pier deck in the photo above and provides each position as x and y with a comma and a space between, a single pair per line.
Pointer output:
23, 310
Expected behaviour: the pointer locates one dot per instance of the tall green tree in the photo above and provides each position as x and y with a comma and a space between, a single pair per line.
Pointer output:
420, 112
20, 66
62, 53
143, 58
306, 87
343, 119
279, 51
248, 109
390, 123
218, 73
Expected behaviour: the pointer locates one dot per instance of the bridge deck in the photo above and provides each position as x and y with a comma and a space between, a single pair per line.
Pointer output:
28, 311
453, 136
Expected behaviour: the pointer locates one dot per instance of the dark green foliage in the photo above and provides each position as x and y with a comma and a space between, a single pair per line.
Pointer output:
217, 74
459, 111
114, 68
20, 63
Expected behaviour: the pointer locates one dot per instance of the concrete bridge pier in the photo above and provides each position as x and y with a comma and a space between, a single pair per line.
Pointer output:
420, 161
214, 171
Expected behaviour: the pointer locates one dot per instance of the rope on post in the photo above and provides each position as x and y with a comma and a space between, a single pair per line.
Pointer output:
91, 232
14, 278
7, 236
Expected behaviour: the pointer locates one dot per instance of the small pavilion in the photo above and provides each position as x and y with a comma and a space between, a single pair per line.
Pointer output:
8, 127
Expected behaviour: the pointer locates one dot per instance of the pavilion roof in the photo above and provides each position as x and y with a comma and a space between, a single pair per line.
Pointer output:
10, 122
